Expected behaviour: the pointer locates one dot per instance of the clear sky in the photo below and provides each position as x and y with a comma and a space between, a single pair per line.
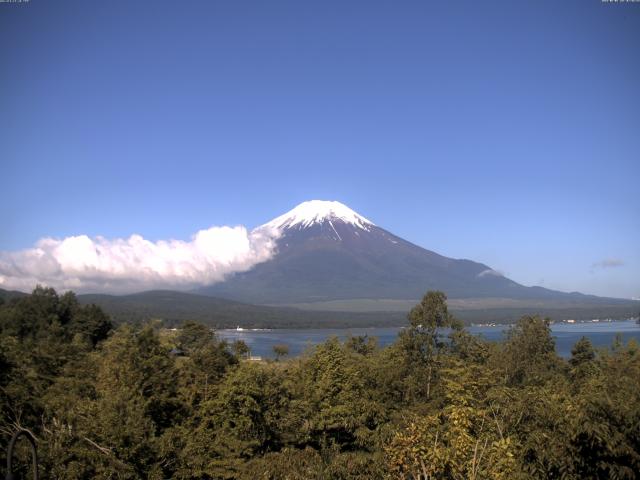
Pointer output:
505, 132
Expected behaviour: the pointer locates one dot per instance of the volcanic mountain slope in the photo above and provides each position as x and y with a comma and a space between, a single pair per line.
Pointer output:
326, 251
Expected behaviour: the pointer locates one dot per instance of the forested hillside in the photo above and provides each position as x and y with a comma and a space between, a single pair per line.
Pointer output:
174, 307
142, 402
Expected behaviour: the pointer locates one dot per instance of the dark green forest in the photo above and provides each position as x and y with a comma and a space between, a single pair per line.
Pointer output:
174, 308
139, 401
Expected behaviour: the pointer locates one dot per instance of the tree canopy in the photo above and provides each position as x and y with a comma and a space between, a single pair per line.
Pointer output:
142, 401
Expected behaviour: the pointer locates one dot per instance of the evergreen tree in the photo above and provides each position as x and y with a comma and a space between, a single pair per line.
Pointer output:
530, 352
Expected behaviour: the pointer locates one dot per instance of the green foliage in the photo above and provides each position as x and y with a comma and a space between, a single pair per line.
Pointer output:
288, 464
582, 353
193, 336
364, 345
241, 349
582, 362
281, 351
107, 403
530, 354
207, 360
231, 428
338, 407
422, 345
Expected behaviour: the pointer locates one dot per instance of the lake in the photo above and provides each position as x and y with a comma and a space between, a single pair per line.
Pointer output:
261, 342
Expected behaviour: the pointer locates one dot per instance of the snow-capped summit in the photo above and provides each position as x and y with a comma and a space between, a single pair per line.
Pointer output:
316, 212
325, 251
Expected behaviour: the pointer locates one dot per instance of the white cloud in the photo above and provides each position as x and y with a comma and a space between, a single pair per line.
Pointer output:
490, 272
123, 265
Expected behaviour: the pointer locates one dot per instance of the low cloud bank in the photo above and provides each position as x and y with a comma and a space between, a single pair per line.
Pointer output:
124, 265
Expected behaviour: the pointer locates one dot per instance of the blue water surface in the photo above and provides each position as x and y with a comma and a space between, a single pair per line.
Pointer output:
261, 342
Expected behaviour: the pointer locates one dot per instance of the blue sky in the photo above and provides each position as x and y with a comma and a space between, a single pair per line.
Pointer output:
503, 132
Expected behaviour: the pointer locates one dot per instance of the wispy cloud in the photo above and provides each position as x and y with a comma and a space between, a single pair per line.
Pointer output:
121, 265
490, 272
608, 263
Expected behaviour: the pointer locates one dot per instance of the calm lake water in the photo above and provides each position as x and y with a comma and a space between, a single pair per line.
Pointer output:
261, 342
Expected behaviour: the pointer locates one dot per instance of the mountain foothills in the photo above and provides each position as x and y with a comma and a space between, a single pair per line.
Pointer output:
143, 402
173, 308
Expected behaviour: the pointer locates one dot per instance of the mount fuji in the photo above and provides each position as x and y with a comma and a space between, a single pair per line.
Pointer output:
328, 252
